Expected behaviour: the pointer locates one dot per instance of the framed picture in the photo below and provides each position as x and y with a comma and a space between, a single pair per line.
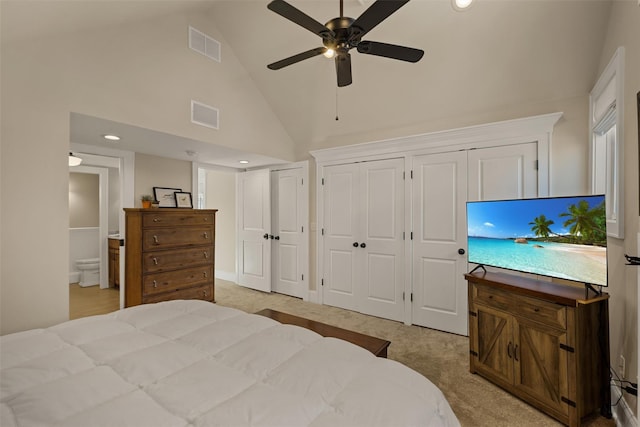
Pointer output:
183, 199
165, 196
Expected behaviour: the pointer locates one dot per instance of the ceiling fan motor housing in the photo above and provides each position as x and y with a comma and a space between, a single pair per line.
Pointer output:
343, 39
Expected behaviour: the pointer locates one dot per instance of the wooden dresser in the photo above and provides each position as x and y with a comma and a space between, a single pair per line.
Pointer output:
169, 254
544, 342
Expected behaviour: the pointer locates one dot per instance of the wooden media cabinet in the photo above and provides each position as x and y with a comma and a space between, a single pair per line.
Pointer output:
544, 342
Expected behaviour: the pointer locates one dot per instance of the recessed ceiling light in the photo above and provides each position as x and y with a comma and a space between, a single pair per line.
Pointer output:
461, 5
244, 162
111, 137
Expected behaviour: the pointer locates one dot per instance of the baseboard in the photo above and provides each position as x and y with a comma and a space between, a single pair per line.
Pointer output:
229, 276
622, 413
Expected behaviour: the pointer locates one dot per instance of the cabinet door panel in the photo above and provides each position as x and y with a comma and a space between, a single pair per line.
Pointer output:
540, 364
495, 345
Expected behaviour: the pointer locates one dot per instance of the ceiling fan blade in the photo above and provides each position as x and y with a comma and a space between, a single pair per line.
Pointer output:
375, 14
296, 16
392, 51
343, 69
297, 58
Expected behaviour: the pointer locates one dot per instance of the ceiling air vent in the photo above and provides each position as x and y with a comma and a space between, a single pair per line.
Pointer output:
204, 115
203, 44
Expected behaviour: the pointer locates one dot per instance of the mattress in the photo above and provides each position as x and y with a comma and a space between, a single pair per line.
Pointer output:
194, 363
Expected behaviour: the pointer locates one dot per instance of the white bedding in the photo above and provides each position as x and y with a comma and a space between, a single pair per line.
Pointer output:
193, 363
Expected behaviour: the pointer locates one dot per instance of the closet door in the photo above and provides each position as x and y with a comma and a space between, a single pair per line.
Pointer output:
382, 223
439, 241
363, 237
341, 233
288, 217
507, 172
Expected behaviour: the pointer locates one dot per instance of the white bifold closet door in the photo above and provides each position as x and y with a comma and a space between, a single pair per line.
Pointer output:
363, 256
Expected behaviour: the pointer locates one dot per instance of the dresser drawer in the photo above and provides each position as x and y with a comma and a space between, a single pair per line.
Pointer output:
153, 262
535, 309
175, 280
541, 311
203, 292
162, 238
161, 219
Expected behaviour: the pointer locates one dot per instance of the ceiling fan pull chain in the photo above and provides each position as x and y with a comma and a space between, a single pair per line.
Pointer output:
337, 118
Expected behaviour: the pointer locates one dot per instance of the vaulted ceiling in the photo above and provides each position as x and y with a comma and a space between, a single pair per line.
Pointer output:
496, 54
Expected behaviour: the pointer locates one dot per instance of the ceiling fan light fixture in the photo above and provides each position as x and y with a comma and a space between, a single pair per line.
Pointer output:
461, 5
329, 53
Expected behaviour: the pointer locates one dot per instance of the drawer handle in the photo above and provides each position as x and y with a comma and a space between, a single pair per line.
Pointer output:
536, 309
156, 219
205, 293
206, 255
155, 261
155, 284
155, 239
205, 235
510, 350
204, 274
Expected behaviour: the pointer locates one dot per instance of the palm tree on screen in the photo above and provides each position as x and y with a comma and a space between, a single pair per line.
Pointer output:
540, 226
583, 221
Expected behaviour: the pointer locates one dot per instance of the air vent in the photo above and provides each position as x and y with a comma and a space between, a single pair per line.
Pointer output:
203, 44
204, 115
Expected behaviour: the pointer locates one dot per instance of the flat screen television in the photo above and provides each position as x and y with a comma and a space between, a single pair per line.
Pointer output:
561, 237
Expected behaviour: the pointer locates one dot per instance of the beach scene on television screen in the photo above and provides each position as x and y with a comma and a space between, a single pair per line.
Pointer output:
559, 237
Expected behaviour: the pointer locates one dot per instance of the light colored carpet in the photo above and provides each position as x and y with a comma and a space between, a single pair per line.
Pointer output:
441, 357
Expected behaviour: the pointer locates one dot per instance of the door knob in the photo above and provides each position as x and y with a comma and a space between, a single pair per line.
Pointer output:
271, 236
363, 245
277, 237
461, 251
355, 244
266, 236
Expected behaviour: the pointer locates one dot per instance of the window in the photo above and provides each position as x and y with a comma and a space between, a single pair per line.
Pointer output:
605, 121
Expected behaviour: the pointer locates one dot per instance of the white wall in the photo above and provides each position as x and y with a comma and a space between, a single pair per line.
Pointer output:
140, 73
624, 30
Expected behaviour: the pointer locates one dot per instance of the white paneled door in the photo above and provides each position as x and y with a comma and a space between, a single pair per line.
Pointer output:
363, 267
290, 200
439, 241
254, 225
499, 173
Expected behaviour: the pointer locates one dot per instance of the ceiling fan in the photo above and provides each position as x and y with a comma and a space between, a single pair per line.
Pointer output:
342, 34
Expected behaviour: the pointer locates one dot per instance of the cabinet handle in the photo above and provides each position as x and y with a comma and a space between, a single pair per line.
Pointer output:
155, 261
205, 235
156, 219
206, 255
515, 353
204, 274
205, 293
510, 350
155, 284
155, 239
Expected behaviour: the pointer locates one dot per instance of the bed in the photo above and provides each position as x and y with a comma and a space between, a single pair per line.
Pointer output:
194, 363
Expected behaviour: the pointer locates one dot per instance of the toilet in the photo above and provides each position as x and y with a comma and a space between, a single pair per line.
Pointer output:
89, 271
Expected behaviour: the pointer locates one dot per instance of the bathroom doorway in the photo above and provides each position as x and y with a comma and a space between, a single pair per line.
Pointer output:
117, 194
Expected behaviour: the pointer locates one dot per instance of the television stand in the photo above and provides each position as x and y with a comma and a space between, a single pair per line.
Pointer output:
541, 341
